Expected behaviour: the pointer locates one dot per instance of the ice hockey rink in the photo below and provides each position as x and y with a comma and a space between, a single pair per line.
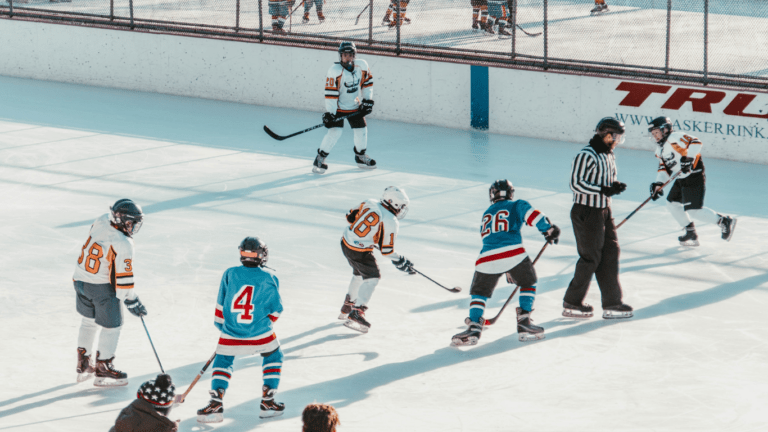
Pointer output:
693, 358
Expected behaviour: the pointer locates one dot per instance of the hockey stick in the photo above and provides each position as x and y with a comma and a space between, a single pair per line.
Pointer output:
153, 345
493, 320
361, 13
529, 34
180, 398
294, 9
453, 290
646, 201
280, 138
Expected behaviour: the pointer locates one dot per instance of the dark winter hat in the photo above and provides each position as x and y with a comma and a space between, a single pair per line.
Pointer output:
159, 391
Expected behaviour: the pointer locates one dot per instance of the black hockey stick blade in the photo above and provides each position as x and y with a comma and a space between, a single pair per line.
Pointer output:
453, 290
527, 33
357, 20
280, 137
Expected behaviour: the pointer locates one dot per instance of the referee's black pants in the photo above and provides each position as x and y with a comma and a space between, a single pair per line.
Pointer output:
598, 247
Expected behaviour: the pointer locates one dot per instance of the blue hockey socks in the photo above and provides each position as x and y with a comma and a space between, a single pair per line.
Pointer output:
222, 371
527, 296
477, 308
272, 366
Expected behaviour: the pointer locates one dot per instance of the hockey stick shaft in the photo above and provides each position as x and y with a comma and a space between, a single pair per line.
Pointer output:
494, 319
361, 13
529, 34
280, 138
180, 399
153, 345
455, 289
646, 201
297, 7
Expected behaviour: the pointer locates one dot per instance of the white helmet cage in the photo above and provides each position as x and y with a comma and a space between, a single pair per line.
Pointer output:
396, 201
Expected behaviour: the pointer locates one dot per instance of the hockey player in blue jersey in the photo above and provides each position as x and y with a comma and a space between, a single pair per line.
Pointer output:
247, 306
503, 253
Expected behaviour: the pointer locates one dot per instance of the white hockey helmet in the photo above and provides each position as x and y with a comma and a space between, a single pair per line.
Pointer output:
396, 201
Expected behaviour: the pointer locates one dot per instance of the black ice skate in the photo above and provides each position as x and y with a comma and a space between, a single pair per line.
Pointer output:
84, 367
482, 322
728, 225
618, 311
503, 33
690, 238
320, 17
470, 336
356, 320
599, 8
488, 27
475, 24
107, 375
276, 29
526, 331
363, 161
270, 408
577, 311
319, 166
346, 308
386, 21
305, 19
214, 411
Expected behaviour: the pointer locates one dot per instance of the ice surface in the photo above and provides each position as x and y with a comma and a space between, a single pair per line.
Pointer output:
694, 357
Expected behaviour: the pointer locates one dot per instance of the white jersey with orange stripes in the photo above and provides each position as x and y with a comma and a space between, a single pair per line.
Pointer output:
107, 257
344, 88
373, 227
676, 146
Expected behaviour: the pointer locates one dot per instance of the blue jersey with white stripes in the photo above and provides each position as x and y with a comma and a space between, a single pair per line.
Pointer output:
503, 220
248, 302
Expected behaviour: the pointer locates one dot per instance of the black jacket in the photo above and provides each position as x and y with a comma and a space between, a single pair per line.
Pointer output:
140, 416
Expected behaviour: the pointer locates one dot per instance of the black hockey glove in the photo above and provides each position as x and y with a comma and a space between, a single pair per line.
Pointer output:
366, 107
614, 189
328, 119
552, 235
135, 307
686, 163
404, 265
656, 190
352, 215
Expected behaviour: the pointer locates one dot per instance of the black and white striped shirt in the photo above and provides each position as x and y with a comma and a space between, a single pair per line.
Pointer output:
590, 171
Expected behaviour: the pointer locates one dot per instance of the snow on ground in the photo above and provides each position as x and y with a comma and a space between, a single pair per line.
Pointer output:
694, 357
633, 33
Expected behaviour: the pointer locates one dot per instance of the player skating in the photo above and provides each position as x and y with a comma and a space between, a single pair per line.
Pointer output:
497, 14
247, 306
318, 7
372, 225
503, 253
103, 278
393, 9
345, 83
600, 7
279, 10
678, 152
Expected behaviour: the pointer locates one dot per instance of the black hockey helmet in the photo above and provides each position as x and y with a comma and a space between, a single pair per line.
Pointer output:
126, 216
662, 123
610, 125
253, 252
501, 190
349, 48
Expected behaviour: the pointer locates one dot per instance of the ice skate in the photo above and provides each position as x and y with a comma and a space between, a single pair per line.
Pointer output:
305, 18
84, 367
599, 8
214, 411
482, 322
346, 308
488, 27
690, 238
727, 225
618, 311
470, 336
364, 161
475, 24
386, 21
356, 320
278, 30
320, 17
107, 375
526, 331
577, 311
270, 408
319, 166
503, 33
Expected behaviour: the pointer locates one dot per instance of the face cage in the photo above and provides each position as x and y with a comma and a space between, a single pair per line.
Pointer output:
341, 60
135, 226
618, 138
663, 135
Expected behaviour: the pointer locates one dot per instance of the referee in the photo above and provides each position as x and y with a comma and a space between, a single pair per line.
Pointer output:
594, 182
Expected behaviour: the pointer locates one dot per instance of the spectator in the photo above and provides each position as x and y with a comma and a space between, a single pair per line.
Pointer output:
319, 417
149, 412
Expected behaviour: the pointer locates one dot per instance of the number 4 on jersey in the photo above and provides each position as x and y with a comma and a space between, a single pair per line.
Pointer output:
242, 302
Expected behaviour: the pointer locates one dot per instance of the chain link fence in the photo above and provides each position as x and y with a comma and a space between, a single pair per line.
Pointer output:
704, 41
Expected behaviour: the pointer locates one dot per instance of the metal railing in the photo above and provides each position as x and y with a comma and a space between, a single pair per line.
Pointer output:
696, 41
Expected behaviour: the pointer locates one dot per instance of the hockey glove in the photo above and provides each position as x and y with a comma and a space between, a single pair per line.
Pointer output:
552, 235
656, 190
328, 120
352, 215
614, 189
135, 307
366, 107
686, 163
404, 265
